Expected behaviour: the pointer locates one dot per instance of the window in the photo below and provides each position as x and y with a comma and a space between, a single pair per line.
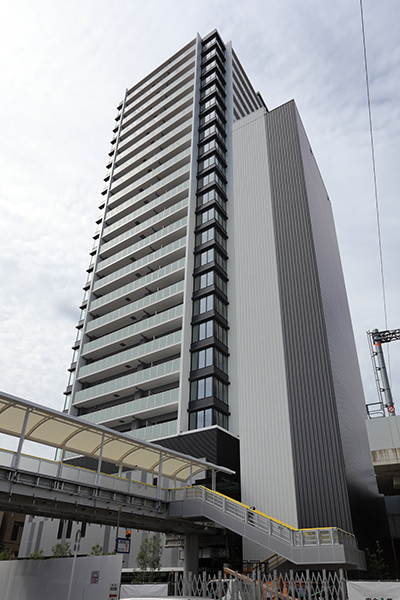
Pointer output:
201, 359
208, 329
206, 418
204, 258
211, 178
207, 358
205, 236
208, 387
208, 215
15, 530
203, 331
203, 305
60, 529
202, 388
213, 129
221, 308
69, 529
203, 281
71, 378
67, 402
212, 161
213, 144
209, 196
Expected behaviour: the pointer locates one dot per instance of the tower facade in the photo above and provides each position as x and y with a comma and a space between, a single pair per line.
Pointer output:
214, 318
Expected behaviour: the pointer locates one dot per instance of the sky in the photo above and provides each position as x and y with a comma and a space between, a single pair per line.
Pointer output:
64, 69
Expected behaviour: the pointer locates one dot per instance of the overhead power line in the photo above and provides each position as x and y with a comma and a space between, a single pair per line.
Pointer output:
374, 167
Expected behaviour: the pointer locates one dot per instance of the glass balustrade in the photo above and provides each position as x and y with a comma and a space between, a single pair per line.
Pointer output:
142, 303
153, 188
154, 173
155, 203
159, 217
125, 144
134, 329
127, 381
133, 407
139, 283
189, 53
133, 354
155, 105
138, 264
143, 166
139, 155
143, 243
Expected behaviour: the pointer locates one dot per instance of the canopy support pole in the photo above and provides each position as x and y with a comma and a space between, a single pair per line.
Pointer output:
160, 470
17, 456
99, 461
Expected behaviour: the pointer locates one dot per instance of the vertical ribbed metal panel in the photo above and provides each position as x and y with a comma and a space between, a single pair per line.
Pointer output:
258, 376
321, 490
349, 393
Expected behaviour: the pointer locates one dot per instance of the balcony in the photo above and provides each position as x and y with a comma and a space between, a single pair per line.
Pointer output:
159, 324
163, 277
164, 101
120, 189
171, 65
144, 408
155, 260
164, 374
153, 242
146, 227
155, 350
133, 143
123, 317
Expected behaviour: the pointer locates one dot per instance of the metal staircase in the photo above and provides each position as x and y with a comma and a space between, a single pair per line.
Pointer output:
320, 546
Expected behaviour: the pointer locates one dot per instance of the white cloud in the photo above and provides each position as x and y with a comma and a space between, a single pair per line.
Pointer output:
67, 67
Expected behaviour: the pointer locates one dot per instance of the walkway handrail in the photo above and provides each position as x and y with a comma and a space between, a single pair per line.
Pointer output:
86, 477
318, 536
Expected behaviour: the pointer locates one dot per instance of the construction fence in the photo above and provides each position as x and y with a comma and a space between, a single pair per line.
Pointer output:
232, 585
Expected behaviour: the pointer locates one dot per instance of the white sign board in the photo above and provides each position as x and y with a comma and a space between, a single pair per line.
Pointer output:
373, 590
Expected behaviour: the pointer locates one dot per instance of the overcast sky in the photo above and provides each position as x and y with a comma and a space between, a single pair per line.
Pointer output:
65, 66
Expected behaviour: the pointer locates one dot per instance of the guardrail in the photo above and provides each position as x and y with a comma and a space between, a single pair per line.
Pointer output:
62, 472
321, 536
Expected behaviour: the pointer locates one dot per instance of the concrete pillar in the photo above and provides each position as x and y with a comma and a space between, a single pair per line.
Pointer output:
191, 555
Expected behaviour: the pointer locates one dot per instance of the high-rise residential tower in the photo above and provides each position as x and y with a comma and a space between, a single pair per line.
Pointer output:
214, 318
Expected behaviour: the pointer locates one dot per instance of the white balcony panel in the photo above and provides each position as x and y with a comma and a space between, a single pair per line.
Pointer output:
137, 158
159, 349
159, 324
169, 67
153, 242
170, 115
131, 209
166, 100
152, 164
122, 229
170, 79
142, 408
152, 261
164, 374
149, 179
155, 432
179, 85
163, 277
167, 183
139, 144
122, 317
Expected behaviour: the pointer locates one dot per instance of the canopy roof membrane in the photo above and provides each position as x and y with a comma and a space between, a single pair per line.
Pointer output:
60, 430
